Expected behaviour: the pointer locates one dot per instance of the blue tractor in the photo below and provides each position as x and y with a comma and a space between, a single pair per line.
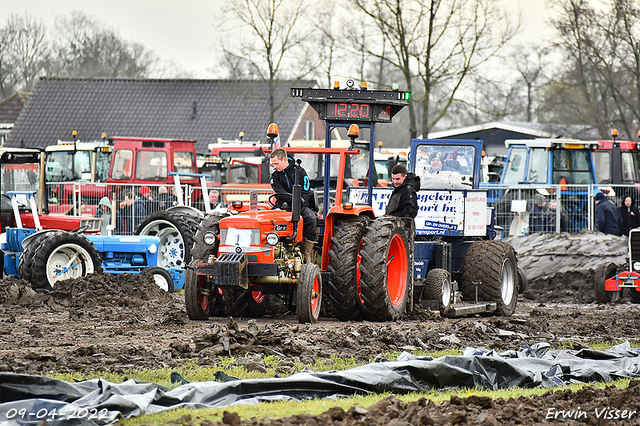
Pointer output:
46, 256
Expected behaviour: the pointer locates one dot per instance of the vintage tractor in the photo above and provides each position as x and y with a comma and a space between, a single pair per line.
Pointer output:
46, 256
45, 249
610, 282
258, 252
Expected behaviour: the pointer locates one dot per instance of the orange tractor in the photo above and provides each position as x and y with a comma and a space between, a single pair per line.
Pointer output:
259, 252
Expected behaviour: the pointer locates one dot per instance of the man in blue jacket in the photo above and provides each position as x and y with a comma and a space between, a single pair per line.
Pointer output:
608, 219
282, 181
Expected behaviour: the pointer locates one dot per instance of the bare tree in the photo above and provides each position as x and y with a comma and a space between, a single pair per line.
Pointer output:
267, 41
85, 48
600, 83
8, 69
25, 52
436, 43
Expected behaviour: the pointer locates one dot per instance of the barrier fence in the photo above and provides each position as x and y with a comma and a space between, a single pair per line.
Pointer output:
135, 202
526, 209
519, 209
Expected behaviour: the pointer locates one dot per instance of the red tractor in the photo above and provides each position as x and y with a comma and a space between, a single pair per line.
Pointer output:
259, 252
610, 282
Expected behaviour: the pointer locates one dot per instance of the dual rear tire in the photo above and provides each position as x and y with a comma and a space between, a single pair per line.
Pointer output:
385, 280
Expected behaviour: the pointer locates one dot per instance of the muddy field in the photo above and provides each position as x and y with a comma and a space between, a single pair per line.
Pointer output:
120, 323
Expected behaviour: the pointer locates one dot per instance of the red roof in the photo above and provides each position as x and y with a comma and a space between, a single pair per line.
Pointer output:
10, 108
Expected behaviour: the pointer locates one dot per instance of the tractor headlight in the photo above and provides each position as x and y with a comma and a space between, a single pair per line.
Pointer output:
153, 249
209, 238
636, 266
272, 238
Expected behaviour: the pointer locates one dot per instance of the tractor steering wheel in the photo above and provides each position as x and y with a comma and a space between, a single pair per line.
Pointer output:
280, 200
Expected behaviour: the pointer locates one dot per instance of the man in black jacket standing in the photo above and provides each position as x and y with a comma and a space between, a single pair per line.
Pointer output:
608, 219
282, 181
404, 198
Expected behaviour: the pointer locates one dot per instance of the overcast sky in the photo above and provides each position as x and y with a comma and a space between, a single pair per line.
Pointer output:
184, 32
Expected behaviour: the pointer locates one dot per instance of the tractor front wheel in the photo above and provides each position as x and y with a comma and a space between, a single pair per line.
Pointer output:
603, 273
161, 277
198, 296
309, 296
62, 255
385, 279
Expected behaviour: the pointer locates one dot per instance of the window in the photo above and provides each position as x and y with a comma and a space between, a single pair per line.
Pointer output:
630, 164
572, 165
308, 128
68, 166
602, 164
152, 165
122, 164
103, 161
514, 172
538, 165
183, 162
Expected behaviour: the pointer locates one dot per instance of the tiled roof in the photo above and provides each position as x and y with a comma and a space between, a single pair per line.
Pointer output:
201, 110
11, 106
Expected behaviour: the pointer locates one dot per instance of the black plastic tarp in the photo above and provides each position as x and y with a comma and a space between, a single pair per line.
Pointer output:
28, 399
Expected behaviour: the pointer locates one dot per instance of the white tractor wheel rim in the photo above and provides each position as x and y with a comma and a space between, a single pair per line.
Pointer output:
71, 256
508, 281
161, 281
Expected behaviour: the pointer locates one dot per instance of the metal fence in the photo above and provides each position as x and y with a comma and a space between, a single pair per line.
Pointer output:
526, 209
520, 209
135, 202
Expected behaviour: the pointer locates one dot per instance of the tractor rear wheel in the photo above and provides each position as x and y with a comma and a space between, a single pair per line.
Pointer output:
343, 291
385, 270
242, 303
62, 255
161, 276
309, 295
438, 287
492, 265
603, 273
176, 236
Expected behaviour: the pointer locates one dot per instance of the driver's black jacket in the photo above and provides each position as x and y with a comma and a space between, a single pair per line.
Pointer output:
282, 182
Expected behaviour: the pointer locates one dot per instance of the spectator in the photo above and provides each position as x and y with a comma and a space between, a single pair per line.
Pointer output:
608, 219
214, 198
104, 212
134, 209
630, 216
539, 216
166, 199
404, 199
150, 204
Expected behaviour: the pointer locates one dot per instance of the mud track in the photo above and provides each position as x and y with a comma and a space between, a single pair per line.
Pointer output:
120, 323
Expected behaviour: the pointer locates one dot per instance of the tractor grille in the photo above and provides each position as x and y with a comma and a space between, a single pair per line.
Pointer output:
634, 245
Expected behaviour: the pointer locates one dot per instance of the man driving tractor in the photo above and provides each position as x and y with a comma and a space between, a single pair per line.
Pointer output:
282, 181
